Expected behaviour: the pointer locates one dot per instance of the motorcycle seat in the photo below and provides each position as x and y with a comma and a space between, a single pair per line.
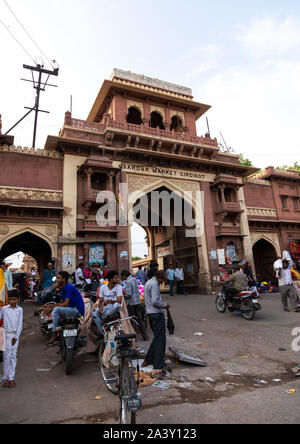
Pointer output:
124, 337
243, 293
65, 321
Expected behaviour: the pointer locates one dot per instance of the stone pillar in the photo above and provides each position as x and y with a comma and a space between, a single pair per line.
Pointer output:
222, 188
86, 249
109, 258
245, 228
110, 181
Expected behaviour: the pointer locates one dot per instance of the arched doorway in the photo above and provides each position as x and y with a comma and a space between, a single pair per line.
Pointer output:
167, 239
30, 244
264, 257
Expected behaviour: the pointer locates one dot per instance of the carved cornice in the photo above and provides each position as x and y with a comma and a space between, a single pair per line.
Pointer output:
262, 212
31, 194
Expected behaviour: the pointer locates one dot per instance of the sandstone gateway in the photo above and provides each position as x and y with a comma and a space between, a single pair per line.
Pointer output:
142, 132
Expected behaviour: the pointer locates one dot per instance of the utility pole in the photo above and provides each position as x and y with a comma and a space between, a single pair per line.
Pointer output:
39, 86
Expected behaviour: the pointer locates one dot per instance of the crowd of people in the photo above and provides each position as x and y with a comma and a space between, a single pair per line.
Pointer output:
138, 295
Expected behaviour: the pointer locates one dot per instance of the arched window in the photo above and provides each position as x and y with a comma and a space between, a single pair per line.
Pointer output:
156, 121
99, 181
176, 124
134, 116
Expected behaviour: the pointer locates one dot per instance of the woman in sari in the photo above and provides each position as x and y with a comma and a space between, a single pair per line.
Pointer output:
3, 291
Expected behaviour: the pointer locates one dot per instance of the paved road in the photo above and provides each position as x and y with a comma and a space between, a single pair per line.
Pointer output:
227, 343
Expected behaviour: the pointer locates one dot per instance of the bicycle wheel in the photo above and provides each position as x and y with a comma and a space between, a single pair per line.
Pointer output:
110, 375
128, 388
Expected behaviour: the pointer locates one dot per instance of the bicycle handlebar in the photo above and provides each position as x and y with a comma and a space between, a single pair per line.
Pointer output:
119, 321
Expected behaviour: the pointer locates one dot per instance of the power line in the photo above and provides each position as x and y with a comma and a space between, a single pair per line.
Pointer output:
27, 33
15, 38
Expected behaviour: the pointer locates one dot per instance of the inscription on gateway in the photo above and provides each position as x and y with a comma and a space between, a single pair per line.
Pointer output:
165, 172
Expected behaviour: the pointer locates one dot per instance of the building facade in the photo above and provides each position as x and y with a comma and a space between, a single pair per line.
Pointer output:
142, 132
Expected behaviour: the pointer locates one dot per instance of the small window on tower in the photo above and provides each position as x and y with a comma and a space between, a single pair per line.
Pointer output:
177, 124
156, 121
284, 202
134, 116
99, 181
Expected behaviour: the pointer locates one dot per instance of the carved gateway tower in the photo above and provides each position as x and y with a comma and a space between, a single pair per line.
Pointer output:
142, 132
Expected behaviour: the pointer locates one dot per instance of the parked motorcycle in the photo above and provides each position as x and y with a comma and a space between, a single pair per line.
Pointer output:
88, 289
69, 341
50, 296
245, 302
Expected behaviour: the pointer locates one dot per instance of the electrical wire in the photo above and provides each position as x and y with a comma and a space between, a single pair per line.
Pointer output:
28, 35
15, 38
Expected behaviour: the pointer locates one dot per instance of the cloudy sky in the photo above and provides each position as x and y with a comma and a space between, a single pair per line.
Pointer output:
241, 57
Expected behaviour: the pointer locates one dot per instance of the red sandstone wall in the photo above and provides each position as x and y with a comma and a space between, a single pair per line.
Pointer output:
259, 196
30, 171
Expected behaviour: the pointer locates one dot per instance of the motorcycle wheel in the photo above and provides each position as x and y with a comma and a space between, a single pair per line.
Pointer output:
68, 361
221, 304
248, 310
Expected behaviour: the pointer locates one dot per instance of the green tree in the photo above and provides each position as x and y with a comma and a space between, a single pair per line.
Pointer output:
296, 166
245, 161
136, 258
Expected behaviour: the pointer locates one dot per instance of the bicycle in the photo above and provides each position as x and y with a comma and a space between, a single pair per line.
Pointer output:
120, 380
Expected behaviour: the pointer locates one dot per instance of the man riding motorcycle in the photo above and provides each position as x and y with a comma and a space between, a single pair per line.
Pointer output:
239, 283
72, 304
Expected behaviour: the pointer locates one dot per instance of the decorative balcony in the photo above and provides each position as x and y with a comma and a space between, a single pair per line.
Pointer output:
142, 129
228, 207
92, 226
222, 231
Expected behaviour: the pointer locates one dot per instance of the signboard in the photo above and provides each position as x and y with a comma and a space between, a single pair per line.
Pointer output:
164, 251
164, 172
96, 254
67, 261
221, 257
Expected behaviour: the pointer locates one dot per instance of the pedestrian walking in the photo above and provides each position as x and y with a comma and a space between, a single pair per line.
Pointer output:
155, 311
8, 276
3, 288
49, 274
134, 303
286, 286
171, 278
141, 275
12, 317
179, 274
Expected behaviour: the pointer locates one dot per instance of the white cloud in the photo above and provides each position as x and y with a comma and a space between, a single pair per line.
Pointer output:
268, 37
256, 104
257, 109
204, 58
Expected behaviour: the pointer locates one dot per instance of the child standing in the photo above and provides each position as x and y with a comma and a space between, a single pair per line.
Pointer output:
12, 316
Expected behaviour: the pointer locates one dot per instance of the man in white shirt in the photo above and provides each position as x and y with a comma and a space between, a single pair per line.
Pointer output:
12, 316
286, 286
110, 300
179, 274
79, 278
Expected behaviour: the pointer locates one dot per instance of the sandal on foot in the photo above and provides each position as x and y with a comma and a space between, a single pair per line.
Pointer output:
5, 384
12, 384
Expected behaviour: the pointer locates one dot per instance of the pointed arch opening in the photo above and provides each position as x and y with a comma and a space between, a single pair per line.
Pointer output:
177, 124
156, 121
134, 116
29, 244
264, 255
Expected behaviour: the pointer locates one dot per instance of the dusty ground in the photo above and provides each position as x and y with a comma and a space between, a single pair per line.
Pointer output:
228, 343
